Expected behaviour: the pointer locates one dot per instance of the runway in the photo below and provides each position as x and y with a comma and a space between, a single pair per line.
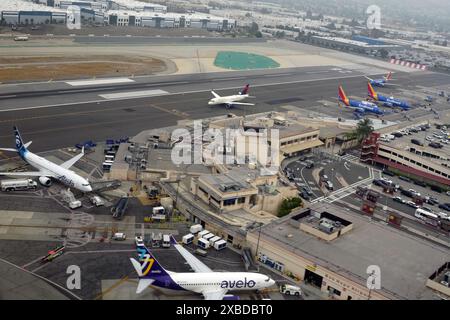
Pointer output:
60, 119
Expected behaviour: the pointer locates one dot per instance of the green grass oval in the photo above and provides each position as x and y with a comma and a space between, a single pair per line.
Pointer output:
243, 61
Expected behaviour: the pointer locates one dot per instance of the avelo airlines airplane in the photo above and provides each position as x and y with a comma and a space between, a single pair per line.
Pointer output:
230, 101
47, 169
212, 285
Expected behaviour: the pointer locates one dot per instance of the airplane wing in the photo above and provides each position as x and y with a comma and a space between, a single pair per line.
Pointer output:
215, 94
242, 103
368, 78
71, 162
214, 294
8, 149
195, 264
23, 174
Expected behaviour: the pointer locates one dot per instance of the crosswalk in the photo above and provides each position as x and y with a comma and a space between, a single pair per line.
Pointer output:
346, 191
350, 157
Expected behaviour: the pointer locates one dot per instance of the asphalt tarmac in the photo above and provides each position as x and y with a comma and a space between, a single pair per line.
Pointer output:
56, 115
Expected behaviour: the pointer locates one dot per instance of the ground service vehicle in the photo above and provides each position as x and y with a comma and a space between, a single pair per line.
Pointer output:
18, 184
290, 290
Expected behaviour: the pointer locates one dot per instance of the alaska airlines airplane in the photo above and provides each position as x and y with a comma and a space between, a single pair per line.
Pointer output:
230, 101
48, 170
359, 106
212, 285
380, 82
390, 102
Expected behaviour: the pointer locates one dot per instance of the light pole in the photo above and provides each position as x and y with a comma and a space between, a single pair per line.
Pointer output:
257, 244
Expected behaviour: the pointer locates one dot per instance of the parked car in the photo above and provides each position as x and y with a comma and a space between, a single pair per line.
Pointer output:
416, 142
435, 145
397, 134
399, 200
432, 201
412, 205
304, 195
428, 138
405, 178
407, 193
420, 183
445, 206
388, 173
139, 241
307, 191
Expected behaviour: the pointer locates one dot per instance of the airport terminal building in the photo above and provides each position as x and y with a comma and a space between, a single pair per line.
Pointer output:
333, 249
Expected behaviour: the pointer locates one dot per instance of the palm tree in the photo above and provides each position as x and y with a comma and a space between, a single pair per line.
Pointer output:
364, 129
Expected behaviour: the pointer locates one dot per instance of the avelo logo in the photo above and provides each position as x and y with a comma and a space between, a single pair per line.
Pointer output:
238, 284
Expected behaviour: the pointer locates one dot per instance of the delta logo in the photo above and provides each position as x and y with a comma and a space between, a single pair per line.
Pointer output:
238, 284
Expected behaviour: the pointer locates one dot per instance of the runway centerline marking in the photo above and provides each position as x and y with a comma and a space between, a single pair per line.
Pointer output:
93, 82
134, 94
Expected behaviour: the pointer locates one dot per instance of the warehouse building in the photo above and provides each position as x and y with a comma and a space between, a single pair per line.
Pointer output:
336, 251
168, 20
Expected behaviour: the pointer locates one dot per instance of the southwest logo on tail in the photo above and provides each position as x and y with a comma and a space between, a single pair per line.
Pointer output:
371, 91
343, 97
389, 76
245, 90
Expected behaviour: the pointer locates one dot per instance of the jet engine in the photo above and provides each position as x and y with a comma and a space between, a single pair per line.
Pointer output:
45, 181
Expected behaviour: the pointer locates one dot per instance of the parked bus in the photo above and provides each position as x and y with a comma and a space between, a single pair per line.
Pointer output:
427, 217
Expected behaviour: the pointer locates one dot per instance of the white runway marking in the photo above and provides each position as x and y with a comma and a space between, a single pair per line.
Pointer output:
134, 94
93, 82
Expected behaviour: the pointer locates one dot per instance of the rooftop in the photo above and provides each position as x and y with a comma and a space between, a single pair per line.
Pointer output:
22, 5
405, 261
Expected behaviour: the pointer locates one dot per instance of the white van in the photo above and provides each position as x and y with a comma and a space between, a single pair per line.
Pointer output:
196, 228
202, 233
166, 241
219, 245
202, 243
120, 236
188, 239
214, 239
208, 236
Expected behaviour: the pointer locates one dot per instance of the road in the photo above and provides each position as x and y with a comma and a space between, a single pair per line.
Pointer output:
56, 115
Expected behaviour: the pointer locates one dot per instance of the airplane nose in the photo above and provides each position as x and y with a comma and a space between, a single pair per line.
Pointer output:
88, 189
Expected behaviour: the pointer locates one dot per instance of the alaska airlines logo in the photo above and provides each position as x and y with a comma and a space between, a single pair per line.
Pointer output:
66, 181
146, 262
237, 284
18, 142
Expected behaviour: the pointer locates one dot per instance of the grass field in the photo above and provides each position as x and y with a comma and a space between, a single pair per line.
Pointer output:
44, 68
243, 61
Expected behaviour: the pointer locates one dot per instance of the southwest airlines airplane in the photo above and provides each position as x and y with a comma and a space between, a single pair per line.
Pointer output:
212, 285
359, 106
48, 170
390, 102
381, 82
230, 101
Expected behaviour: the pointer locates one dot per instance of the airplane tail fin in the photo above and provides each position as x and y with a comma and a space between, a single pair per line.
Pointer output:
245, 89
147, 266
389, 76
343, 97
371, 91
19, 142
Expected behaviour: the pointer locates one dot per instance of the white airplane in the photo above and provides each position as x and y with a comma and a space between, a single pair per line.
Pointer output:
48, 170
212, 285
230, 101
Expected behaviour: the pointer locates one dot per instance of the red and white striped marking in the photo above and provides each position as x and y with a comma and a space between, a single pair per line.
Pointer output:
408, 64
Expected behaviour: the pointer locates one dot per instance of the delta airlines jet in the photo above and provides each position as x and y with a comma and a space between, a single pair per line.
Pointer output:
390, 102
358, 106
230, 101
212, 285
381, 82
48, 170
